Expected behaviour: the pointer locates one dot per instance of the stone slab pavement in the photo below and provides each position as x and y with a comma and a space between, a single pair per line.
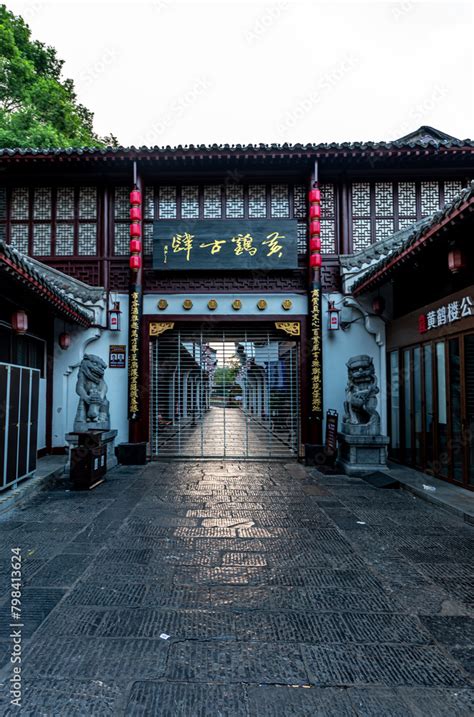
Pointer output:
238, 589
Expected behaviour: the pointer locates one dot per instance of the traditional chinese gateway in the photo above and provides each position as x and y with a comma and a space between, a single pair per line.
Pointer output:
218, 292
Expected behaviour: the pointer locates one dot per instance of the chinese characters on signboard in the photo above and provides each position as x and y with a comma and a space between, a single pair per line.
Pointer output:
223, 244
117, 356
133, 354
447, 314
316, 373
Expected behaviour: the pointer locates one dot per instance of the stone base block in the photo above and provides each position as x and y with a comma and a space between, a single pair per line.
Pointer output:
362, 454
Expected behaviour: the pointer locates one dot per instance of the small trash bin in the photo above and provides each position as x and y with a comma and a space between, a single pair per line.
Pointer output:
88, 461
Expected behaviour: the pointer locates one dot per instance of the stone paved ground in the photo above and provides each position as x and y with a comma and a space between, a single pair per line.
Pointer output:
281, 596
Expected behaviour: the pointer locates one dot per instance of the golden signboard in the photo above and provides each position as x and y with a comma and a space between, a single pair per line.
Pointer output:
316, 370
133, 362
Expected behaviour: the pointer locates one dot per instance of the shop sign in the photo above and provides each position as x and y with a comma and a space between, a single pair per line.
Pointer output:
117, 356
316, 367
134, 348
449, 313
223, 244
331, 432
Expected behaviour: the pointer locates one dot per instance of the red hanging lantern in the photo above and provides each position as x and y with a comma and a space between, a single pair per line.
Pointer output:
135, 245
315, 244
456, 260
315, 260
378, 305
315, 195
315, 228
135, 230
135, 262
315, 211
64, 340
135, 213
20, 322
135, 197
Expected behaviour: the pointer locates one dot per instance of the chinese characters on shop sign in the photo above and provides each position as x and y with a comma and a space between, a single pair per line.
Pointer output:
316, 375
217, 244
448, 314
133, 354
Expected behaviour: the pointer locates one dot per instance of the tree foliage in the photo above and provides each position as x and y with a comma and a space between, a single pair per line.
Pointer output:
37, 107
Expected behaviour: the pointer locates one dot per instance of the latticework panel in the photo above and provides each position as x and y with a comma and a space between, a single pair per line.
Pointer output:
65, 203
149, 203
361, 199
121, 202
302, 233
257, 201
121, 239
20, 203
87, 202
407, 199
383, 228
234, 201
212, 201
451, 190
167, 202
384, 199
300, 210
148, 238
19, 234
42, 239
64, 239
190, 201
280, 201
429, 197
42, 203
87, 239
328, 236
3, 203
361, 236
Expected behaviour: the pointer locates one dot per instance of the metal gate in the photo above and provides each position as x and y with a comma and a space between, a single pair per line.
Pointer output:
224, 393
19, 395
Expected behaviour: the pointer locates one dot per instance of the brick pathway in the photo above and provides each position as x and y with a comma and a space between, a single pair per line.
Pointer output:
280, 595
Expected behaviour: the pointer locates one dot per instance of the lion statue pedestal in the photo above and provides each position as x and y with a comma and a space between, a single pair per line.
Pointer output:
93, 407
362, 448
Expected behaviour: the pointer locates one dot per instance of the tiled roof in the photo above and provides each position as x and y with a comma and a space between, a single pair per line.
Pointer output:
391, 250
28, 272
425, 138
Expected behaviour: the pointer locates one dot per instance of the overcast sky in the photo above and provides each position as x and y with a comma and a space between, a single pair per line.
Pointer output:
175, 72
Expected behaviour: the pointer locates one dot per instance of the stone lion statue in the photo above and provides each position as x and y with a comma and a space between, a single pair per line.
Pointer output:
361, 397
93, 407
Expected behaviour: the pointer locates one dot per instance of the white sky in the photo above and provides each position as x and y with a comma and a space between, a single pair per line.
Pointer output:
177, 72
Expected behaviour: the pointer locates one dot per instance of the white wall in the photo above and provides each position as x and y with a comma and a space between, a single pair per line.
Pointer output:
66, 364
339, 346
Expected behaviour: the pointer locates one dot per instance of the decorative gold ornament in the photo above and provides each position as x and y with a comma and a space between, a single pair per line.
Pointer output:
237, 304
162, 304
159, 328
289, 327
187, 304
287, 304
212, 304
262, 304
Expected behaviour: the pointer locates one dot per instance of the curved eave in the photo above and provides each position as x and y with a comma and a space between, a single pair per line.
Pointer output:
428, 236
63, 306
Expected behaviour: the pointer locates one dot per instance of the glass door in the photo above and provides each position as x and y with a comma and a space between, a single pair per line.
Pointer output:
468, 423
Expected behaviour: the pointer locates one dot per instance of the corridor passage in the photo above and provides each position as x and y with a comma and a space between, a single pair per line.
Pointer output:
231, 589
227, 432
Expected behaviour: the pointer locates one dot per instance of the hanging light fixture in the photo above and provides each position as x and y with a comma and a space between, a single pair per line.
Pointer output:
378, 305
333, 314
20, 322
64, 340
114, 317
456, 260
